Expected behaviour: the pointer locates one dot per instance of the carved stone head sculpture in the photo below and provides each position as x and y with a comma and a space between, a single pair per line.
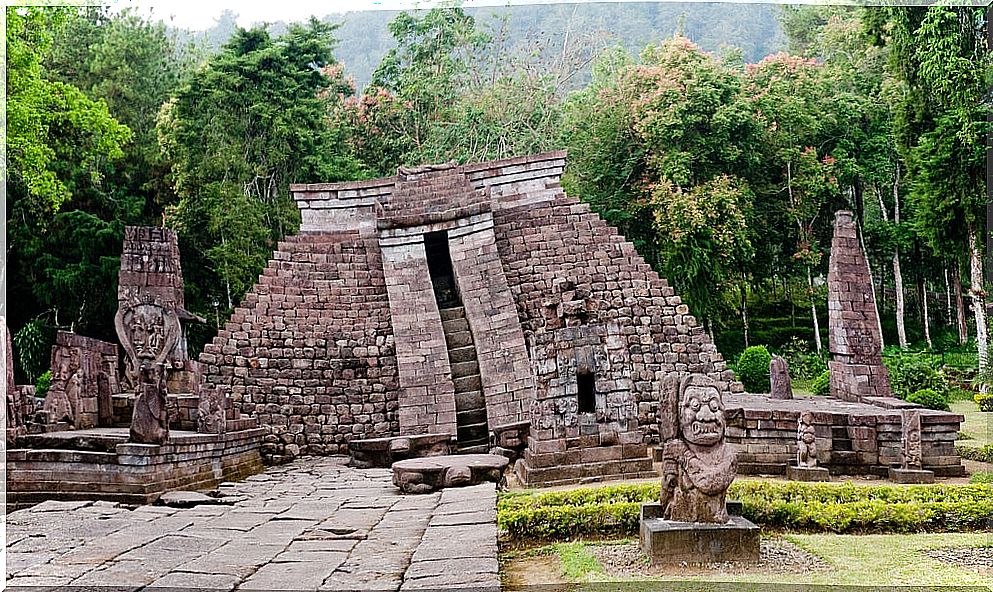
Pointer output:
148, 332
697, 465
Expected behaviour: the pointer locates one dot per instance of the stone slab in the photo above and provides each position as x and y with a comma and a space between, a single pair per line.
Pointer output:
911, 476
808, 474
668, 542
423, 475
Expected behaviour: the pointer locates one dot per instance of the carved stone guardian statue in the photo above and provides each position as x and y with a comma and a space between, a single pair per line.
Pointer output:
806, 444
697, 465
806, 468
148, 332
911, 469
691, 523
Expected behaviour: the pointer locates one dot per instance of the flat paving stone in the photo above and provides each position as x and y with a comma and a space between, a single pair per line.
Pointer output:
314, 524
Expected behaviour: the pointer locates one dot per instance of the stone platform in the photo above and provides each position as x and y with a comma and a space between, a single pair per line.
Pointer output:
383, 452
669, 542
422, 475
100, 464
852, 438
315, 524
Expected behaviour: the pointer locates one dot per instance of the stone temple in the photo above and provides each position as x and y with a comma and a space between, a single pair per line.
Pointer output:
460, 309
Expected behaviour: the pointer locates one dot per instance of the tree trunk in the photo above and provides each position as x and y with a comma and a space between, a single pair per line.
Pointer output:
813, 309
948, 300
927, 317
901, 327
978, 297
960, 307
744, 310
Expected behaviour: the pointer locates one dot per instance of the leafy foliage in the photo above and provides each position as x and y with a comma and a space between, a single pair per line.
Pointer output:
930, 399
822, 384
985, 401
910, 373
614, 510
753, 369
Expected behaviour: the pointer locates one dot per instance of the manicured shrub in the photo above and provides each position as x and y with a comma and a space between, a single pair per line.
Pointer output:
753, 369
981, 477
43, 383
985, 402
984, 454
822, 384
910, 373
930, 399
816, 507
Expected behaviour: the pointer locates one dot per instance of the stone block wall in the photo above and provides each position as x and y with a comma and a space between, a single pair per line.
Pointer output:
851, 438
84, 370
562, 261
310, 351
489, 303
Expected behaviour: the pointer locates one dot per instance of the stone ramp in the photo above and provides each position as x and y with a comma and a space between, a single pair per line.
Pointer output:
314, 524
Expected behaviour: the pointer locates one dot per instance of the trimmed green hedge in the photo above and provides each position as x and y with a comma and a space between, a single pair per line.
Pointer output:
833, 507
984, 454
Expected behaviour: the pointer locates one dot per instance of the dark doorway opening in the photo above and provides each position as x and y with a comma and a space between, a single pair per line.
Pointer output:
587, 394
440, 267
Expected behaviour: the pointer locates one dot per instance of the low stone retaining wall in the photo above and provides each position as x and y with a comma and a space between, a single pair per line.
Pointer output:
851, 438
133, 473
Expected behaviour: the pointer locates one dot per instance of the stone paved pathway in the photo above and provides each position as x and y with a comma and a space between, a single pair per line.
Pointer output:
314, 524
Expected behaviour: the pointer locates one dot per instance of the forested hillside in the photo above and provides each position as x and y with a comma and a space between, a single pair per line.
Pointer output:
724, 167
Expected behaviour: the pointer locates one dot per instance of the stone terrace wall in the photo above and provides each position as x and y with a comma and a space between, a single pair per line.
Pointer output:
310, 352
545, 243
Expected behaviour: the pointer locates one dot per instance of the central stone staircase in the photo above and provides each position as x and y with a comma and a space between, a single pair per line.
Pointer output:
470, 405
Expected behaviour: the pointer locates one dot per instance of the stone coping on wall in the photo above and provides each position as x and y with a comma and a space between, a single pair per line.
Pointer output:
132, 473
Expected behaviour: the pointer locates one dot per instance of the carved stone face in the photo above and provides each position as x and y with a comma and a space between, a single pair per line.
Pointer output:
701, 415
147, 331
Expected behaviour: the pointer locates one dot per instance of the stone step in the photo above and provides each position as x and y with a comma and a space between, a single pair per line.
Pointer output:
464, 369
457, 355
468, 383
457, 312
459, 339
455, 325
474, 448
476, 432
469, 400
471, 416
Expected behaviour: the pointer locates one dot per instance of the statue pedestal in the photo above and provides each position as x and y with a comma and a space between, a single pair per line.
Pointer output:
668, 542
807, 474
911, 476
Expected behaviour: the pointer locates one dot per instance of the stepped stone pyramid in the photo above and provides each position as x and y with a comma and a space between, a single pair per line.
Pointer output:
461, 300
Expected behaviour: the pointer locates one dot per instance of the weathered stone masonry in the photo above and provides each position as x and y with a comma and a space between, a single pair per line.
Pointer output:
343, 338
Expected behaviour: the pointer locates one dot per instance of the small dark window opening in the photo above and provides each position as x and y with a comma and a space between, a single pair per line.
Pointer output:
440, 267
587, 396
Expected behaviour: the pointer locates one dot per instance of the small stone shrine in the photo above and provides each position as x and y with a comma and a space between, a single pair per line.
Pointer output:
478, 305
158, 431
860, 428
84, 378
691, 522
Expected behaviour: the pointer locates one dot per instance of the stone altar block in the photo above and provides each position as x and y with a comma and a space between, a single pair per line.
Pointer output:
808, 474
668, 542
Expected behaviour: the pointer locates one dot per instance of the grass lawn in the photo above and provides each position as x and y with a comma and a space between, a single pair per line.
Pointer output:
864, 560
978, 425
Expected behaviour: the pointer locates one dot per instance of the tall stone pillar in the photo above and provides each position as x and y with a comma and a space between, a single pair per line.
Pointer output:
856, 364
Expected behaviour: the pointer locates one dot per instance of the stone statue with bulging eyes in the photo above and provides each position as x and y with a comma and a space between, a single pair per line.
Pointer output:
697, 465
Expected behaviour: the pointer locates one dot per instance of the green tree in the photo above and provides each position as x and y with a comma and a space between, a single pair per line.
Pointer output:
61, 145
249, 122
